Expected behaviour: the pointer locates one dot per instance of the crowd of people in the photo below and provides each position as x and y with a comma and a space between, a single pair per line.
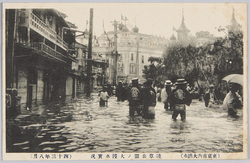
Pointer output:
142, 98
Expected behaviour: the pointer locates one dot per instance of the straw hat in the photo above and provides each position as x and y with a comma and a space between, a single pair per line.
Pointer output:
135, 80
181, 82
168, 82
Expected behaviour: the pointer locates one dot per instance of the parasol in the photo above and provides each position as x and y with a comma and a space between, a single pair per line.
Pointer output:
234, 78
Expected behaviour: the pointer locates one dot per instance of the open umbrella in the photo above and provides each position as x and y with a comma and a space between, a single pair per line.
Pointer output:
234, 78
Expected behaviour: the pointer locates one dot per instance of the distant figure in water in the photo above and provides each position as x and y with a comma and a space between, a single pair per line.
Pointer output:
209, 97
103, 97
119, 91
232, 101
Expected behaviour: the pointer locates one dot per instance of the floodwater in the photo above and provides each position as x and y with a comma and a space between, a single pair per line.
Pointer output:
83, 126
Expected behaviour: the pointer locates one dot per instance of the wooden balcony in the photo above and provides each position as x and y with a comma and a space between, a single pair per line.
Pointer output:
40, 27
29, 19
48, 51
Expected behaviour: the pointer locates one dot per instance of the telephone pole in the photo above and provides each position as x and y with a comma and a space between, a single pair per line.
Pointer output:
115, 52
12, 42
137, 58
89, 60
137, 55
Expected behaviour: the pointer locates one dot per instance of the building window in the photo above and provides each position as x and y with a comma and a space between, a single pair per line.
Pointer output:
142, 59
132, 57
132, 68
120, 67
120, 58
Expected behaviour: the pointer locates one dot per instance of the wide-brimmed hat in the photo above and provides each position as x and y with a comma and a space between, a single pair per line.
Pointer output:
135, 80
168, 82
211, 86
181, 82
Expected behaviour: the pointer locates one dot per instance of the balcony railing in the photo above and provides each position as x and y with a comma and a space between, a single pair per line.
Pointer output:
48, 51
42, 28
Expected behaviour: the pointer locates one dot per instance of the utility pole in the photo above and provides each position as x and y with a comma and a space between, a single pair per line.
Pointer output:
137, 59
115, 52
137, 55
13, 51
89, 60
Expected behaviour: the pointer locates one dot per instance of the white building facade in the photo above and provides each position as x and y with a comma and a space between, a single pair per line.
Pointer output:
133, 48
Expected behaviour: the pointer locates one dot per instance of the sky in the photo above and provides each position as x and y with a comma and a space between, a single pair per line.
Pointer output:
153, 18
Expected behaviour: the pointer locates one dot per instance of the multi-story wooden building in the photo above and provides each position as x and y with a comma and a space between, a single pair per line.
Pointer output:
40, 56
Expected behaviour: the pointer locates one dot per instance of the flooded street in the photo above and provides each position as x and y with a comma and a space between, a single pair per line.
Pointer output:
83, 126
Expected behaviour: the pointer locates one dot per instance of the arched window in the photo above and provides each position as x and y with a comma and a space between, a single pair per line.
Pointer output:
132, 57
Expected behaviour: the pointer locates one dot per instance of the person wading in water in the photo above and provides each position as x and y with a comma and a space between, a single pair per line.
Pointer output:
179, 98
134, 98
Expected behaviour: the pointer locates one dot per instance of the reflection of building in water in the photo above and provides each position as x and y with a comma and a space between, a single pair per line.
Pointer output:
134, 49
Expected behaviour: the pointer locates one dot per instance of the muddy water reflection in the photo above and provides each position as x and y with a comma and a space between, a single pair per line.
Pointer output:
85, 127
